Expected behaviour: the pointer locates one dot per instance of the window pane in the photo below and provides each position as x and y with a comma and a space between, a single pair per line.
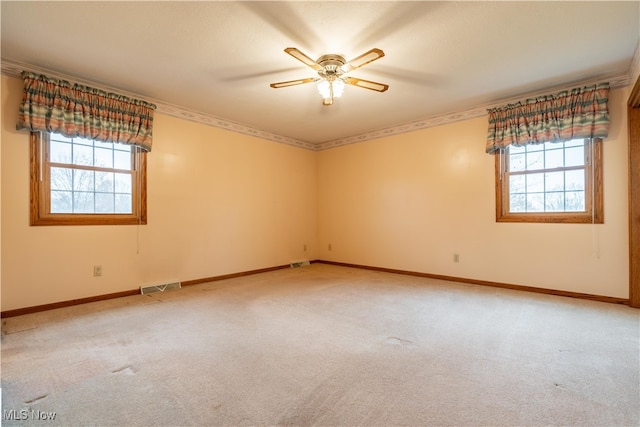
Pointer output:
575, 156
123, 147
123, 182
82, 155
123, 204
554, 158
575, 201
61, 201
103, 158
535, 160
61, 179
554, 181
104, 203
105, 182
535, 202
83, 180
574, 143
518, 203
534, 147
574, 180
60, 152
122, 160
517, 184
535, 183
517, 163
554, 202
83, 202
88, 191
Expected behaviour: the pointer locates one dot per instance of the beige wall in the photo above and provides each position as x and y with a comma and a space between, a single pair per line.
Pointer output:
411, 201
219, 202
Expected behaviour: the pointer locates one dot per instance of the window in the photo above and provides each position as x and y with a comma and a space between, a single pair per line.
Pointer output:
550, 182
76, 181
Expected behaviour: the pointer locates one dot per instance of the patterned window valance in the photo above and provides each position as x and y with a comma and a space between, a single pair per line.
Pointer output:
73, 110
579, 113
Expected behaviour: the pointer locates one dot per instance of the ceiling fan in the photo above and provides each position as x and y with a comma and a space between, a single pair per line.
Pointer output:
332, 70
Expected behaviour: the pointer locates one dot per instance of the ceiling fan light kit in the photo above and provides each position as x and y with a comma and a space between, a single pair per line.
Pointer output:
332, 70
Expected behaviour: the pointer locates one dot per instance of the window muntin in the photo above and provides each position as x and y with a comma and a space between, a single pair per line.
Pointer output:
550, 182
81, 181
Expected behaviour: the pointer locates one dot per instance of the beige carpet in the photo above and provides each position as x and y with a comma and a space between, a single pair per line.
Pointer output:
325, 345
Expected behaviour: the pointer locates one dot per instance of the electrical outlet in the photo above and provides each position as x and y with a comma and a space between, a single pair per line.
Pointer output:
456, 257
329, 246
305, 248
97, 270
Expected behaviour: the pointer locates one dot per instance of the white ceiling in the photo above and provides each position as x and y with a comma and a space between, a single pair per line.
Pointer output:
217, 58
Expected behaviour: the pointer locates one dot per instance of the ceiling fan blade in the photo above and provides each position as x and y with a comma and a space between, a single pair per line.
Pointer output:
304, 58
378, 87
363, 60
292, 83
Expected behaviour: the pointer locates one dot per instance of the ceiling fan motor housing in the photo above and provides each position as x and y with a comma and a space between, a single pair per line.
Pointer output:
332, 65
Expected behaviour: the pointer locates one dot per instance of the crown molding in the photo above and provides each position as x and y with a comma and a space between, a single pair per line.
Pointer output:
615, 81
222, 123
14, 69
